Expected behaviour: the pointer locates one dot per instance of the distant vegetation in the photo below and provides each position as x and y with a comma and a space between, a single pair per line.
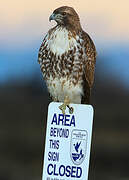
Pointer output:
23, 112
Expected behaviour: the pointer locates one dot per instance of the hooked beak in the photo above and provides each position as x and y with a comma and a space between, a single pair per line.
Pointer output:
52, 17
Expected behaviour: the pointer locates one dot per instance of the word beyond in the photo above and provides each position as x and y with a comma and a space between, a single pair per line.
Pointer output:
59, 132
68, 171
64, 120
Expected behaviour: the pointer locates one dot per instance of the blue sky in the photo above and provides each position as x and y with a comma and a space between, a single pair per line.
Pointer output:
21, 64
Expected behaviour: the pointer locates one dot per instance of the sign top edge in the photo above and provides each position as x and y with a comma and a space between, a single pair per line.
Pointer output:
81, 105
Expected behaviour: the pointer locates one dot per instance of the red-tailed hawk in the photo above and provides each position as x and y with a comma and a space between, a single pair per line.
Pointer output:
67, 59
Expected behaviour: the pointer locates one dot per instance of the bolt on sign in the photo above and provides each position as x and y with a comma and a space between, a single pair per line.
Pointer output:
68, 141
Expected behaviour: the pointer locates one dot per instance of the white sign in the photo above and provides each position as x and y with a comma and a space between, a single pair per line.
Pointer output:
68, 141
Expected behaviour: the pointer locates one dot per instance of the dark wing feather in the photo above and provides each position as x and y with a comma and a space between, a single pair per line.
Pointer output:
41, 49
89, 66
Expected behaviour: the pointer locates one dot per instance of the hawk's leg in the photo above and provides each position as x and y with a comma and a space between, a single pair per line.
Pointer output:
66, 104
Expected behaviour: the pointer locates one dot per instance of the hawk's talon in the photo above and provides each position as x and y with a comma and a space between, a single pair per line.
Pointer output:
71, 110
66, 104
63, 108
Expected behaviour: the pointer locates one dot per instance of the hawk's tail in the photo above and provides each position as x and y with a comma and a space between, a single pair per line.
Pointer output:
86, 96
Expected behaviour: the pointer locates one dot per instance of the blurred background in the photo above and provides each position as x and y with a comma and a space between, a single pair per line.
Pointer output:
24, 98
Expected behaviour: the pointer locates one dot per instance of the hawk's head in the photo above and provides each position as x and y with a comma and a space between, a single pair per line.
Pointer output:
66, 16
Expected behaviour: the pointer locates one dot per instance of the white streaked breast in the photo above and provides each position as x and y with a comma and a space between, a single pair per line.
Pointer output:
59, 41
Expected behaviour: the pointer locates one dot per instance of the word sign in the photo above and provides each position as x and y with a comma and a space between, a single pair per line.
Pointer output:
68, 141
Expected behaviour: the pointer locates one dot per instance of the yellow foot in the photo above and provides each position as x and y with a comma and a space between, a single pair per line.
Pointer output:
66, 104
62, 108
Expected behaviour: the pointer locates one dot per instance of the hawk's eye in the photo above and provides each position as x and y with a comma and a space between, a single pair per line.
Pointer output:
64, 13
